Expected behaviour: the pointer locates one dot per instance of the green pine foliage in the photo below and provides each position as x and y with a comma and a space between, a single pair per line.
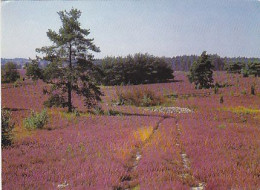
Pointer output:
201, 73
70, 65
136, 69
33, 70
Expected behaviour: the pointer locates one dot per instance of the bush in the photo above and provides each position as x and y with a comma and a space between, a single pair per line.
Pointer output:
113, 113
7, 127
139, 97
54, 100
36, 120
9, 73
243, 92
17, 83
97, 110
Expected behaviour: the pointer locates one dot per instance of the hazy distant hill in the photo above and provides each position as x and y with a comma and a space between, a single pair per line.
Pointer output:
18, 61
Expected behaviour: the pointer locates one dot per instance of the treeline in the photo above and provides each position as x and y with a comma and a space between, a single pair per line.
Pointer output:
251, 68
183, 63
134, 69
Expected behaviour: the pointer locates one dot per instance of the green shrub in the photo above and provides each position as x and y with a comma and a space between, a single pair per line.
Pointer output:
112, 112
7, 127
36, 120
54, 101
17, 83
9, 73
222, 126
98, 110
243, 92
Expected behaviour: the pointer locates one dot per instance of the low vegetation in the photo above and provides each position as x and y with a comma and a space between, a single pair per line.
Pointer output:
7, 128
36, 120
138, 97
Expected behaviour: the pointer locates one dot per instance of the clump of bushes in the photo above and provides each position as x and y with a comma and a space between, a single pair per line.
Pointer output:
55, 100
252, 68
7, 127
234, 67
36, 120
136, 69
17, 83
9, 73
139, 97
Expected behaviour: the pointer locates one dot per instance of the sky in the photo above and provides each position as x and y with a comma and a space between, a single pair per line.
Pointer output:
161, 28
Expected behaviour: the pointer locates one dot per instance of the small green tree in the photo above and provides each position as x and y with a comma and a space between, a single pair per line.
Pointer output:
7, 127
201, 73
33, 70
9, 73
254, 68
70, 65
234, 67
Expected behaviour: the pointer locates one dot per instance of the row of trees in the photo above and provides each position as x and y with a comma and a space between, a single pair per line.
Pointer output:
201, 71
136, 69
184, 63
252, 68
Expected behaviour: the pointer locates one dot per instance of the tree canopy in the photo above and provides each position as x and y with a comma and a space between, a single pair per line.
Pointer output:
70, 65
201, 73
136, 69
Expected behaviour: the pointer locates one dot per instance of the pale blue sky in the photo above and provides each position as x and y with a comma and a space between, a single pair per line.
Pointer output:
163, 28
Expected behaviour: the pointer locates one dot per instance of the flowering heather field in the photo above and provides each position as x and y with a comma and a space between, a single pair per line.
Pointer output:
216, 146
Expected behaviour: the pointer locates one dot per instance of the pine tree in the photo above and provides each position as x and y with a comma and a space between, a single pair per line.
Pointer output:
70, 65
201, 72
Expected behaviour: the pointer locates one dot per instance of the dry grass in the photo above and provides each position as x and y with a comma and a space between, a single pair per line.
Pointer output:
139, 97
143, 133
242, 110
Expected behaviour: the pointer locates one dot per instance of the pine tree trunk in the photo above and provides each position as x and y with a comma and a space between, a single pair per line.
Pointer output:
69, 98
69, 84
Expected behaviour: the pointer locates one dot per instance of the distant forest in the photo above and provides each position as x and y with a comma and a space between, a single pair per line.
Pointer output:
179, 63
183, 63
